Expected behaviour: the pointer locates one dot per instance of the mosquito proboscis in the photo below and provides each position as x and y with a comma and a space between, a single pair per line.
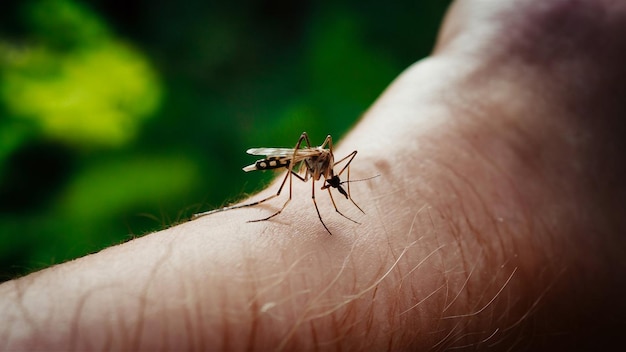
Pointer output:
304, 163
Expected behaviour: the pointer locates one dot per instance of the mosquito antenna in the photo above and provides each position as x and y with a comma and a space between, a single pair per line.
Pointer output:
362, 179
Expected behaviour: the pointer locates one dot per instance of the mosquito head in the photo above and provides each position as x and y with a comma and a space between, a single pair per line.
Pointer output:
335, 182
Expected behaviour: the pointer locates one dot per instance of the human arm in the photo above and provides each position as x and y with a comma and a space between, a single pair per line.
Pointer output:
496, 220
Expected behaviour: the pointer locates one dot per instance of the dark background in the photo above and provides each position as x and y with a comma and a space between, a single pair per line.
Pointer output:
120, 118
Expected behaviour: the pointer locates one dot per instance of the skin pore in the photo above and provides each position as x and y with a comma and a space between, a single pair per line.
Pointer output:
497, 221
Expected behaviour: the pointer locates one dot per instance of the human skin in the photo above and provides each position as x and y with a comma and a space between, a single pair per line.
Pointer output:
497, 221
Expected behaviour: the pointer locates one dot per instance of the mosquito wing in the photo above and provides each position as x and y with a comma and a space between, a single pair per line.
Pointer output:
286, 152
276, 158
277, 152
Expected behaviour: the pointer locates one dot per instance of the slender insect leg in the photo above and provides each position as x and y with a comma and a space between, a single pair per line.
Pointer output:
290, 173
273, 196
349, 195
306, 139
328, 141
316, 208
337, 210
195, 216
303, 137
348, 157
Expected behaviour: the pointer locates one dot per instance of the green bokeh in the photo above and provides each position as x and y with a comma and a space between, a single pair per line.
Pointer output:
121, 118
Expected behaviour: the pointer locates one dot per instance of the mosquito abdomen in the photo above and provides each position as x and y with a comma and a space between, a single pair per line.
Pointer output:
268, 164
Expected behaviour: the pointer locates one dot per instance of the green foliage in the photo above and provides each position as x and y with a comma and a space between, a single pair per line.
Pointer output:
116, 121
78, 84
126, 183
65, 24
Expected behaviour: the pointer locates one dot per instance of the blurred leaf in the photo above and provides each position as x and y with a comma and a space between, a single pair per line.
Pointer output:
96, 93
65, 24
345, 72
12, 135
33, 176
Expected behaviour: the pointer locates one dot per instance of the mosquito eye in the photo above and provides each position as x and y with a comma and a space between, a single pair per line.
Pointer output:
334, 182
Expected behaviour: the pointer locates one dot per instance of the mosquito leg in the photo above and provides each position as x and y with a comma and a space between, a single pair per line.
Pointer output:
195, 216
337, 210
348, 157
328, 141
316, 208
290, 173
271, 216
286, 202
349, 195
304, 136
293, 173
348, 179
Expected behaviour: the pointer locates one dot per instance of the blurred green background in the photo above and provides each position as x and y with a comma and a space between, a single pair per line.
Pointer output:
119, 118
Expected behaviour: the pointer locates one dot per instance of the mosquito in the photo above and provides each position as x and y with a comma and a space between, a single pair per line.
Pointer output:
304, 163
